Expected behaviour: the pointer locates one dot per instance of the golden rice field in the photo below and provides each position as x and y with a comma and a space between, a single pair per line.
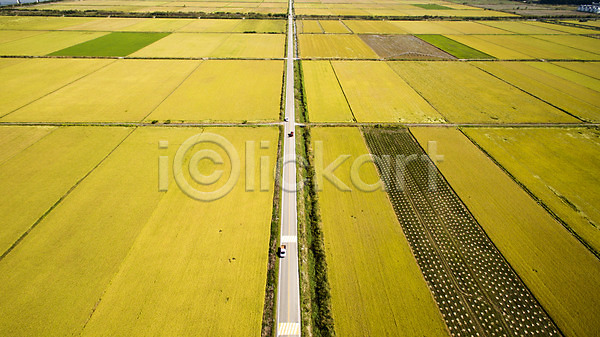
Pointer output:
373, 27
590, 23
216, 45
41, 77
446, 27
585, 43
89, 246
546, 82
580, 73
376, 94
46, 43
560, 272
423, 27
136, 88
220, 90
157, 25
141, 89
519, 27
530, 46
173, 6
334, 27
118, 256
325, 99
561, 28
588, 69
499, 51
454, 90
12, 35
40, 22
334, 46
26, 149
367, 252
105, 24
308, 26
551, 163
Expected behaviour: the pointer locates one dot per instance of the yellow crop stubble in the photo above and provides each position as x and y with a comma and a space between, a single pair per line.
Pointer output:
376, 285
560, 272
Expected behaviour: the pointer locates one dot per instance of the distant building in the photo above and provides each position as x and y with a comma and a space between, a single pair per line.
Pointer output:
593, 8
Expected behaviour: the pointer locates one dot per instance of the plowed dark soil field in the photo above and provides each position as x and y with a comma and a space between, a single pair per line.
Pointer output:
397, 47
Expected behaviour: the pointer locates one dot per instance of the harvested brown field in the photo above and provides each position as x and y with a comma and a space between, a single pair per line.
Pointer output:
403, 47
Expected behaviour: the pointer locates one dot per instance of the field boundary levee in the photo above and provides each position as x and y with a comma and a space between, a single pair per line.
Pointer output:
184, 124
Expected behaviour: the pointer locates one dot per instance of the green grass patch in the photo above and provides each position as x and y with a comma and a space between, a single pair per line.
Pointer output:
454, 48
113, 44
431, 6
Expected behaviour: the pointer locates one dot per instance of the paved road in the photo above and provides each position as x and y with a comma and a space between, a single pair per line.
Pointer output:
288, 295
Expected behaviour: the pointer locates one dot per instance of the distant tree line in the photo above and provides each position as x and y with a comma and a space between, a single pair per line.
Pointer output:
565, 2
